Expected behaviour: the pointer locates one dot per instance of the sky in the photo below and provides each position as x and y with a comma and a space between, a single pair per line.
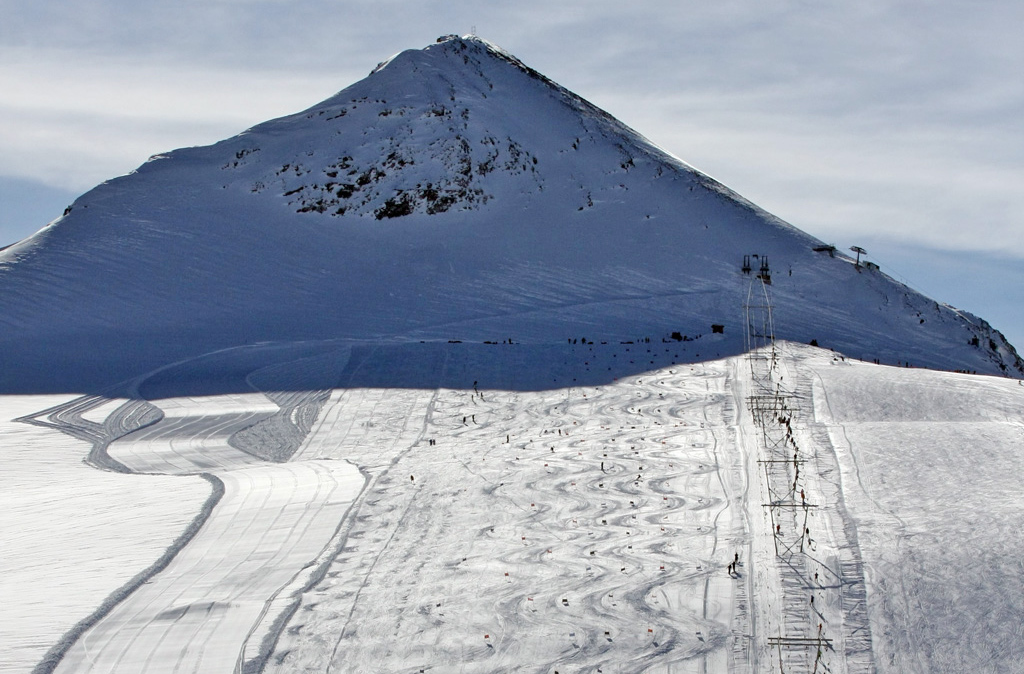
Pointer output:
895, 125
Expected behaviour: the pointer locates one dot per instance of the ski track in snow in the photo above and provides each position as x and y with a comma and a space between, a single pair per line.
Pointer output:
489, 551
579, 529
199, 613
212, 605
931, 467
73, 535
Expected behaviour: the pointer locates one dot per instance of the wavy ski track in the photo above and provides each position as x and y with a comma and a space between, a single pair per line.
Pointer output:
508, 545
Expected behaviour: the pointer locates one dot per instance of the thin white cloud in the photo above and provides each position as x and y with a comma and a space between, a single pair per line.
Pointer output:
902, 117
73, 124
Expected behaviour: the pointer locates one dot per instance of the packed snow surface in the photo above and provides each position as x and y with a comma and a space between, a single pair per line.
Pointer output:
578, 528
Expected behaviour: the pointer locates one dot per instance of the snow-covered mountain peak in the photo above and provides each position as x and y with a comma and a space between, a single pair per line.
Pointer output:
454, 194
449, 127
468, 53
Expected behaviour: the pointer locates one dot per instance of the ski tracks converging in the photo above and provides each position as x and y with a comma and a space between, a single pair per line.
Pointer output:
197, 614
216, 601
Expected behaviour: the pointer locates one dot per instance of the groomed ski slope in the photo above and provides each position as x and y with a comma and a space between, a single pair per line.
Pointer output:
576, 529
931, 466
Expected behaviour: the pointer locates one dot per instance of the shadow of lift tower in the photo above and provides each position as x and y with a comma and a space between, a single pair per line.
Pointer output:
773, 408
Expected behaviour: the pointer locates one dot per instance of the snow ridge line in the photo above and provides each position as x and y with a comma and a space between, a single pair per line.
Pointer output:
57, 652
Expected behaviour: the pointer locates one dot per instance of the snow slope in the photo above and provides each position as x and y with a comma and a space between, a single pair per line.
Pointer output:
931, 466
73, 535
614, 510
453, 194
212, 601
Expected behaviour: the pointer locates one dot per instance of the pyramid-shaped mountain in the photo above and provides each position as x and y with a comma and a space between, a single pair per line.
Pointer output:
454, 195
